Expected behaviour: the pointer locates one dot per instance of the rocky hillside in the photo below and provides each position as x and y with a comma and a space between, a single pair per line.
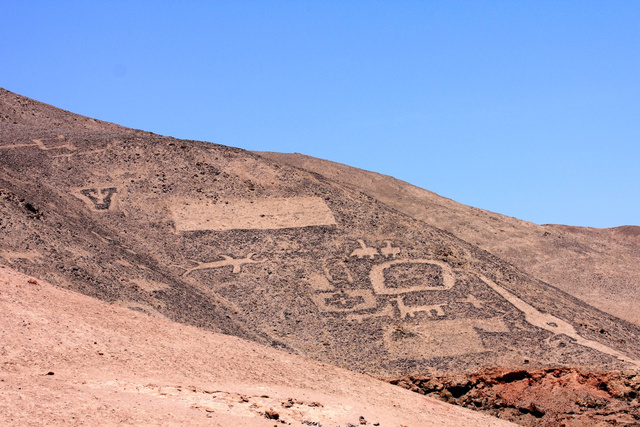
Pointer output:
233, 242
598, 266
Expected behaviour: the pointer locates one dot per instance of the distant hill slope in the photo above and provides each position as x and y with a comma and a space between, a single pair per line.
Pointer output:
69, 359
599, 266
229, 241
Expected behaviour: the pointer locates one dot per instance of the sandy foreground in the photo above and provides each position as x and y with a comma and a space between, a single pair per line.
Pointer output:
67, 359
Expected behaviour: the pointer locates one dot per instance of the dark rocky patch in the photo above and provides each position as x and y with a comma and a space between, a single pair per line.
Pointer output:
546, 397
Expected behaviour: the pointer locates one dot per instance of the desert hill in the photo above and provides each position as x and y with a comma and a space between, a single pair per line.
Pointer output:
68, 359
598, 266
320, 260
227, 240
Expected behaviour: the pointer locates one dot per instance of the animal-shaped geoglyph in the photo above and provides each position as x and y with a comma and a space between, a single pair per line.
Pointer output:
433, 310
42, 146
389, 251
365, 251
387, 311
237, 264
471, 299
345, 300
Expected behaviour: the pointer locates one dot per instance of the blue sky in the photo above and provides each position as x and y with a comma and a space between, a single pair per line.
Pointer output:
526, 108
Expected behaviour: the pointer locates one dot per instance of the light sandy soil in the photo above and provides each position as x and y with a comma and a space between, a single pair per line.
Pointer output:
68, 359
269, 214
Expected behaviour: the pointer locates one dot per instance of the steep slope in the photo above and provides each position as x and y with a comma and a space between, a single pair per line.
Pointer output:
599, 266
69, 359
226, 240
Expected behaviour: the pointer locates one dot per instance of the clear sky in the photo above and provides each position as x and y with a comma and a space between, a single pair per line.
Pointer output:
526, 108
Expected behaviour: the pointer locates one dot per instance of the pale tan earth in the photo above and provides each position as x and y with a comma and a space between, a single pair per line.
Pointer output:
598, 266
68, 359
268, 214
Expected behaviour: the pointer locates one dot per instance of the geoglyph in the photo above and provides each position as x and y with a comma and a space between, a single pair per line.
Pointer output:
243, 214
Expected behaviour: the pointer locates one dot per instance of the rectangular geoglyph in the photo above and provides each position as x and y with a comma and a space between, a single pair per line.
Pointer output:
265, 214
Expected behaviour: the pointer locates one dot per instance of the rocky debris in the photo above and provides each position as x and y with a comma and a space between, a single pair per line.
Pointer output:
546, 397
271, 414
